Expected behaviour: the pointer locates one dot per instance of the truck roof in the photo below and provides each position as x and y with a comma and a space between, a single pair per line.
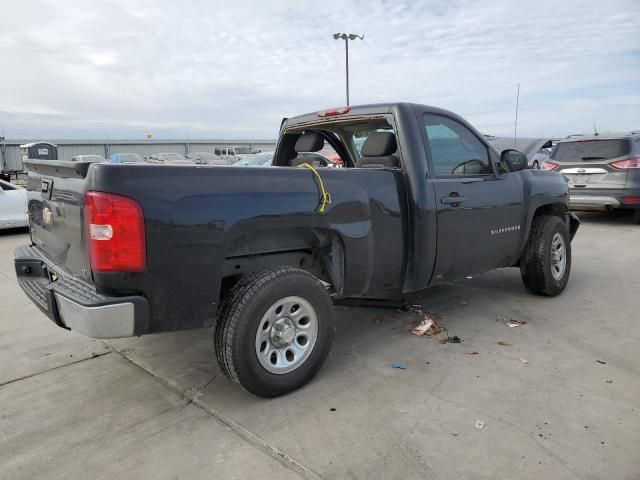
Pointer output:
367, 109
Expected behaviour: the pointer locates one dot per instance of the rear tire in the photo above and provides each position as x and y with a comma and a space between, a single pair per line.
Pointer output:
274, 330
546, 263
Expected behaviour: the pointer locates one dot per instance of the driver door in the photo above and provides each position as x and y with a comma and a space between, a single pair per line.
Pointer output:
479, 214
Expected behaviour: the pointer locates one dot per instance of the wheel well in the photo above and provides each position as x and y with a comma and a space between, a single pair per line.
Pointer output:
316, 251
554, 209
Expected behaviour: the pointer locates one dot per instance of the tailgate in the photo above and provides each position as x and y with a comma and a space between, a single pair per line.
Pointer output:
55, 192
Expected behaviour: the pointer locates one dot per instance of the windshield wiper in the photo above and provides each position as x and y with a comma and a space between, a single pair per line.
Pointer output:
594, 158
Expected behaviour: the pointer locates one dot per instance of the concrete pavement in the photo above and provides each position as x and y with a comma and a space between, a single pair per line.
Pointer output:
158, 407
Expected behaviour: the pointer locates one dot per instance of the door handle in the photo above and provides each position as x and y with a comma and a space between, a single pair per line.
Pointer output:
453, 199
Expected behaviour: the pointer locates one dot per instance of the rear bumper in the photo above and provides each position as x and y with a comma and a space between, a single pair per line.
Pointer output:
592, 202
74, 304
600, 200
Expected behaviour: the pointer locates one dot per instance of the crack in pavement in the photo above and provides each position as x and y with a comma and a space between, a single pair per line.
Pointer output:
246, 435
31, 375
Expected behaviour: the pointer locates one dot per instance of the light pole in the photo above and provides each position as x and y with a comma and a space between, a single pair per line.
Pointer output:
346, 37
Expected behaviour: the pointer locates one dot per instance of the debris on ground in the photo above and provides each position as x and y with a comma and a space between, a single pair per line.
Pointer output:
416, 308
503, 344
332, 409
461, 301
601, 362
454, 339
514, 322
500, 318
468, 277
379, 318
523, 360
93, 355
479, 424
396, 314
609, 381
428, 327
399, 366
471, 353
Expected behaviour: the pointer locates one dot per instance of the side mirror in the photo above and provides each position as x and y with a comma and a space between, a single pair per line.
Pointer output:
513, 160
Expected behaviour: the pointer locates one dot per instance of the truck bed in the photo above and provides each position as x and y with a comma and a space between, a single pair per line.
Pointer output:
206, 223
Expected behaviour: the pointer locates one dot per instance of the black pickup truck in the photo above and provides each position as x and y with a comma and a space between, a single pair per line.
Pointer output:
262, 253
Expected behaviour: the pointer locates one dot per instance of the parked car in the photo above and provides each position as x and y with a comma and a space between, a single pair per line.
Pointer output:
207, 158
13, 206
261, 253
537, 150
87, 158
125, 158
232, 153
262, 159
169, 158
541, 156
603, 171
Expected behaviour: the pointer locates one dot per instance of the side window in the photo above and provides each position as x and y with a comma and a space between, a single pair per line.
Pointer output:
455, 151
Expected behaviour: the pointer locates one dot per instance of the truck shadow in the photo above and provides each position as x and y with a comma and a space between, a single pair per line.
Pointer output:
374, 336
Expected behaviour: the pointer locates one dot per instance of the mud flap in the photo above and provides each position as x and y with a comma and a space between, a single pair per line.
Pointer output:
574, 224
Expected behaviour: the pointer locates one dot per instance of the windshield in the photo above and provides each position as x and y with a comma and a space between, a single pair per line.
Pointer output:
243, 150
590, 150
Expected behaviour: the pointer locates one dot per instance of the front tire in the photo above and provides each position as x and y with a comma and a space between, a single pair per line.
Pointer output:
274, 330
546, 262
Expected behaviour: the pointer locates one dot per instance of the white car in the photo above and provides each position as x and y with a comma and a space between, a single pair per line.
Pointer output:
13, 206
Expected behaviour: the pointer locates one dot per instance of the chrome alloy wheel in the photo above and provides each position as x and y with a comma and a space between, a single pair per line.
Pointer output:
286, 335
558, 256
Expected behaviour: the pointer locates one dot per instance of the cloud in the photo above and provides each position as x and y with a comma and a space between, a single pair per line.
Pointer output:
234, 69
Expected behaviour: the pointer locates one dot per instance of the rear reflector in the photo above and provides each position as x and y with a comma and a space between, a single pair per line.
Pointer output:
116, 233
547, 165
332, 112
628, 164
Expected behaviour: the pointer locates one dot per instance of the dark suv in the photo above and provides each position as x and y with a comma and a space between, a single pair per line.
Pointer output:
603, 171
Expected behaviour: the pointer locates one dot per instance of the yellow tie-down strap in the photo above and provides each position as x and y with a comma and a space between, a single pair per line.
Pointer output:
325, 196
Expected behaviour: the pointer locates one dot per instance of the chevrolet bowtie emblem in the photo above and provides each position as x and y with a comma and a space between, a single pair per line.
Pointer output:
47, 216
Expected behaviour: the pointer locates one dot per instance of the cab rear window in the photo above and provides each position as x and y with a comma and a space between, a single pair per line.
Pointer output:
590, 150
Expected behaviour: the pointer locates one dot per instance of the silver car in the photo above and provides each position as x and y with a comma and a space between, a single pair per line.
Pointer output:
603, 171
13, 206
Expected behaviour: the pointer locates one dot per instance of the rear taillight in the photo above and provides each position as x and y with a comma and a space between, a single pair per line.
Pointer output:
631, 199
115, 226
628, 164
549, 165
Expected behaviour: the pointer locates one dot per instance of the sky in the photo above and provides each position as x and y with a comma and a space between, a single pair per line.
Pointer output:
209, 69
